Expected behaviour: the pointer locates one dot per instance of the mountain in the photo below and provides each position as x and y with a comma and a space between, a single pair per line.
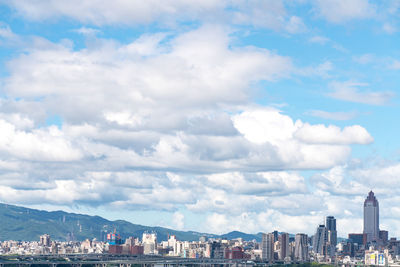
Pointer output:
237, 234
19, 223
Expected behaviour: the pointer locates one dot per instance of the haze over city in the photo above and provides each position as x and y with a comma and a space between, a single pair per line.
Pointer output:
210, 116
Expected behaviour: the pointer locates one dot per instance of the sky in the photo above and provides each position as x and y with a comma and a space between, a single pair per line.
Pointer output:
213, 116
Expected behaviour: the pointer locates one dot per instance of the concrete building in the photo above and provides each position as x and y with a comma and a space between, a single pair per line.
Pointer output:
320, 239
45, 240
301, 247
360, 239
149, 241
371, 217
384, 236
267, 247
284, 246
331, 228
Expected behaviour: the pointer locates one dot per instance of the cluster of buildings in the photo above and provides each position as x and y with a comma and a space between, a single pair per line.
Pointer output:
371, 247
47, 246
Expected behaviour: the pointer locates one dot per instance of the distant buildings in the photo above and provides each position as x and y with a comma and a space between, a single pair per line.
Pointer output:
371, 217
372, 247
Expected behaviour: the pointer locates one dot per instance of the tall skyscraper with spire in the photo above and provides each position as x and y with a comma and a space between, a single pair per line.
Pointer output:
371, 217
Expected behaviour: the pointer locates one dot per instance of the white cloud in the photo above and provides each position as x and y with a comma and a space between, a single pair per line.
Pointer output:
389, 28
349, 91
87, 31
266, 221
295, 25
364, 59
164, 123
339, 116
269, 14
319, 39
288, 138
266, 183
178, 220
395, 65
193, 71
337, 11
119, 11
155, 100
320, 134
6, 32
47, 144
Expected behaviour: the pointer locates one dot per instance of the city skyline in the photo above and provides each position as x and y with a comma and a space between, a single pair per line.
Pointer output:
326, 231
210, 116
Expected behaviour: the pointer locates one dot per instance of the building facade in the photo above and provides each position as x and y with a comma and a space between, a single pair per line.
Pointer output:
320, 239
331, 228
301, 247
371, 217
284, 246
267, 247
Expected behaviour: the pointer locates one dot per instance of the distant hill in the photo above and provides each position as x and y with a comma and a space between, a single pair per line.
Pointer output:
237, 234
19, 223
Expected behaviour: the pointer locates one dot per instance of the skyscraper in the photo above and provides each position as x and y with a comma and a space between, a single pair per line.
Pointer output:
371, 217
301, 248
332, 233
284, 242
320, 239
267, 247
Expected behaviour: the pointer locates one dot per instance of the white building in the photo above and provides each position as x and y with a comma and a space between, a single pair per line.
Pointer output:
149, 242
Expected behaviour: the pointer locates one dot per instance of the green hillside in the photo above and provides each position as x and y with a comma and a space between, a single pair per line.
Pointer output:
19, 223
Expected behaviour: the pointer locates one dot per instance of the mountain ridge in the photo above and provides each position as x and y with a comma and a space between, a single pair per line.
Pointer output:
21, 223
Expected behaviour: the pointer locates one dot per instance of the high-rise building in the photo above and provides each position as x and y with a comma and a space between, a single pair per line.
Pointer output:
284, 244
149, 241
359, 239
267, 247
276, 235
301, 247
45, 240
320, 239
371, 217
331, 228
383, 236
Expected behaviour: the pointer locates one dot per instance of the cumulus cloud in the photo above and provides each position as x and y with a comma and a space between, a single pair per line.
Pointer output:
162, 123
192, 72
349, 91
337, 11
265, 14
39, 144
292, 141
317, 134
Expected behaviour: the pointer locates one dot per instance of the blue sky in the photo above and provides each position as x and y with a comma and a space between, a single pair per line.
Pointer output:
202, 115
